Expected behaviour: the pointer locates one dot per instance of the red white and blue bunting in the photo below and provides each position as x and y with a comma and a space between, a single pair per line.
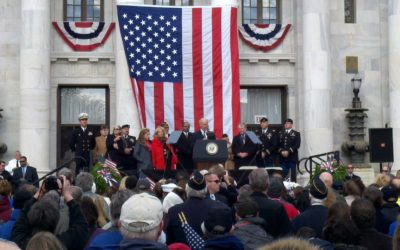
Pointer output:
84, 36
263, 36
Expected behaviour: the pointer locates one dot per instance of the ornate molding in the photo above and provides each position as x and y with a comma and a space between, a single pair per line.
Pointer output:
271, 58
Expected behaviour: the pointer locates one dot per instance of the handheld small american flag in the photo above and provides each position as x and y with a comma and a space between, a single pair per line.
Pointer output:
184, 65
193, 238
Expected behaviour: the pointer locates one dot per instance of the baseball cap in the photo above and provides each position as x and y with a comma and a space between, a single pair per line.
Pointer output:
141, 213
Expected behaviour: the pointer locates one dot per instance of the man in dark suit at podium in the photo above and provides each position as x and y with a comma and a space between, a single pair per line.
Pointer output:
204, 133
243, 148
184, 147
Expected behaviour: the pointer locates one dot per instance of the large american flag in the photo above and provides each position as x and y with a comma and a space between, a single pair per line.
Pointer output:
184, 65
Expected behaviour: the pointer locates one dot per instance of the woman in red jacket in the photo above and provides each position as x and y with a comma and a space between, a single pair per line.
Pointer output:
162, 153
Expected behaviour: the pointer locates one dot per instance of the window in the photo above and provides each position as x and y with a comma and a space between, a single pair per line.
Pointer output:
256, 102
84, 10
173, 2
261, 11
71, 102
350, 11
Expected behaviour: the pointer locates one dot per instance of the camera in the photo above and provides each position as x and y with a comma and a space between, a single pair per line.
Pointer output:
51, 183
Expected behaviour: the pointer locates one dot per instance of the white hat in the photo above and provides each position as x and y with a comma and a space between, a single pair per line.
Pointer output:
83, 116
143, 208
166, 188
171, 200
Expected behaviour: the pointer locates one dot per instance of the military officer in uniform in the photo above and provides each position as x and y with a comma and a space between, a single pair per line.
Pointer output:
289, 143
126, 146
269, 140
82, 142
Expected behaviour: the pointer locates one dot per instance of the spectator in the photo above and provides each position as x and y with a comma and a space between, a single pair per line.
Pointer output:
374, 195
244, 192
273, 212
314, 216
363, 214
382, 180
327, 179
44, 241
85, 181
67, 173
213, 184
141, 222
349, 173
40, 215
301, 198
9, 245
351, 191
195, 208
91, 215
217, 228
290, 243
130, 182
339, 229
5, 206
250, 227
19, 199
390, 209
24, 174
112, 237
275, 191
227, 186
170, 200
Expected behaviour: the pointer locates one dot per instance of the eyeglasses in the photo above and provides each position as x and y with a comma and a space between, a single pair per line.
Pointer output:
216, 181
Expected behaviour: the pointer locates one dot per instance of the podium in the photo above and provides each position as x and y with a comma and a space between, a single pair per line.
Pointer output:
209, 152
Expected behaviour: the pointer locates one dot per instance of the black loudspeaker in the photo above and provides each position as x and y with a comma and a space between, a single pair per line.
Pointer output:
380, 145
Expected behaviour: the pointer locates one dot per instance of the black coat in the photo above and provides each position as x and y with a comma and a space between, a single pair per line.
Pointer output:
198, 135
248, 147
74, 238
7, 176
184, 150
269, 141
195, 210
290, 142
127, 160
390, 211
30, 176
314, 217
112, 152
273, 212
372, 240
82, 141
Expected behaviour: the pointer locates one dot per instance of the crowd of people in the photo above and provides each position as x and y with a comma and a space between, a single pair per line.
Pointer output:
206, 210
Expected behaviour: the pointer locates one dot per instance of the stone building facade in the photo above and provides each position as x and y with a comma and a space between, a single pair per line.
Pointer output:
309, 67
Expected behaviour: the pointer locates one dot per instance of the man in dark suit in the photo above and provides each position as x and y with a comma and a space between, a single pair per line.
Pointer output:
203, 133
269, 140
273, 212
126, 146
4, 173
350, 175
24, 174
184, 147
289, 143
82, 142
243, 148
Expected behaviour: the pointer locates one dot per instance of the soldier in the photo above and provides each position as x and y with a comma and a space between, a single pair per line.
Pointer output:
269, 140
289, 143
82, 142
126, 146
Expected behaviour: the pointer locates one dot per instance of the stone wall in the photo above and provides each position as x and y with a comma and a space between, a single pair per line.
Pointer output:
10, 26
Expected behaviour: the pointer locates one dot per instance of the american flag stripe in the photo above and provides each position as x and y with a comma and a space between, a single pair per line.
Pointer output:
209, 71
197, 66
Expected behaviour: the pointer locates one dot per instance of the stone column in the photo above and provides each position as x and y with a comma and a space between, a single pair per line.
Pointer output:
394, 77
127, 111
318, 136
35, 83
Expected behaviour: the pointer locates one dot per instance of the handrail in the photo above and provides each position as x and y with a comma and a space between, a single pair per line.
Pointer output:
308, 161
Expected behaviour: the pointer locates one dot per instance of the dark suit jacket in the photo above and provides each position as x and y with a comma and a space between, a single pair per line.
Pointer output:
273, 212
238, 147
30, 176
269, 140
199, 136
314, 217
7, 176
195, 210
372, 239
184, 150
82, 141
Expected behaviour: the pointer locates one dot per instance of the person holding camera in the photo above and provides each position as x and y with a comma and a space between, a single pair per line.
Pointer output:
43, 214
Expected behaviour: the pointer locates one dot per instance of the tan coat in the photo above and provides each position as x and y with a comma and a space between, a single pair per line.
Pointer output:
101, 148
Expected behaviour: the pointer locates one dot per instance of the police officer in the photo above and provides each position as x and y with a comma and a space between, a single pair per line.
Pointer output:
289, 143
269, 139
126, 146
82, 142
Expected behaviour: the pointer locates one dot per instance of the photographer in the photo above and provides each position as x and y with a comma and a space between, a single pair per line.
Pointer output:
42, 215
